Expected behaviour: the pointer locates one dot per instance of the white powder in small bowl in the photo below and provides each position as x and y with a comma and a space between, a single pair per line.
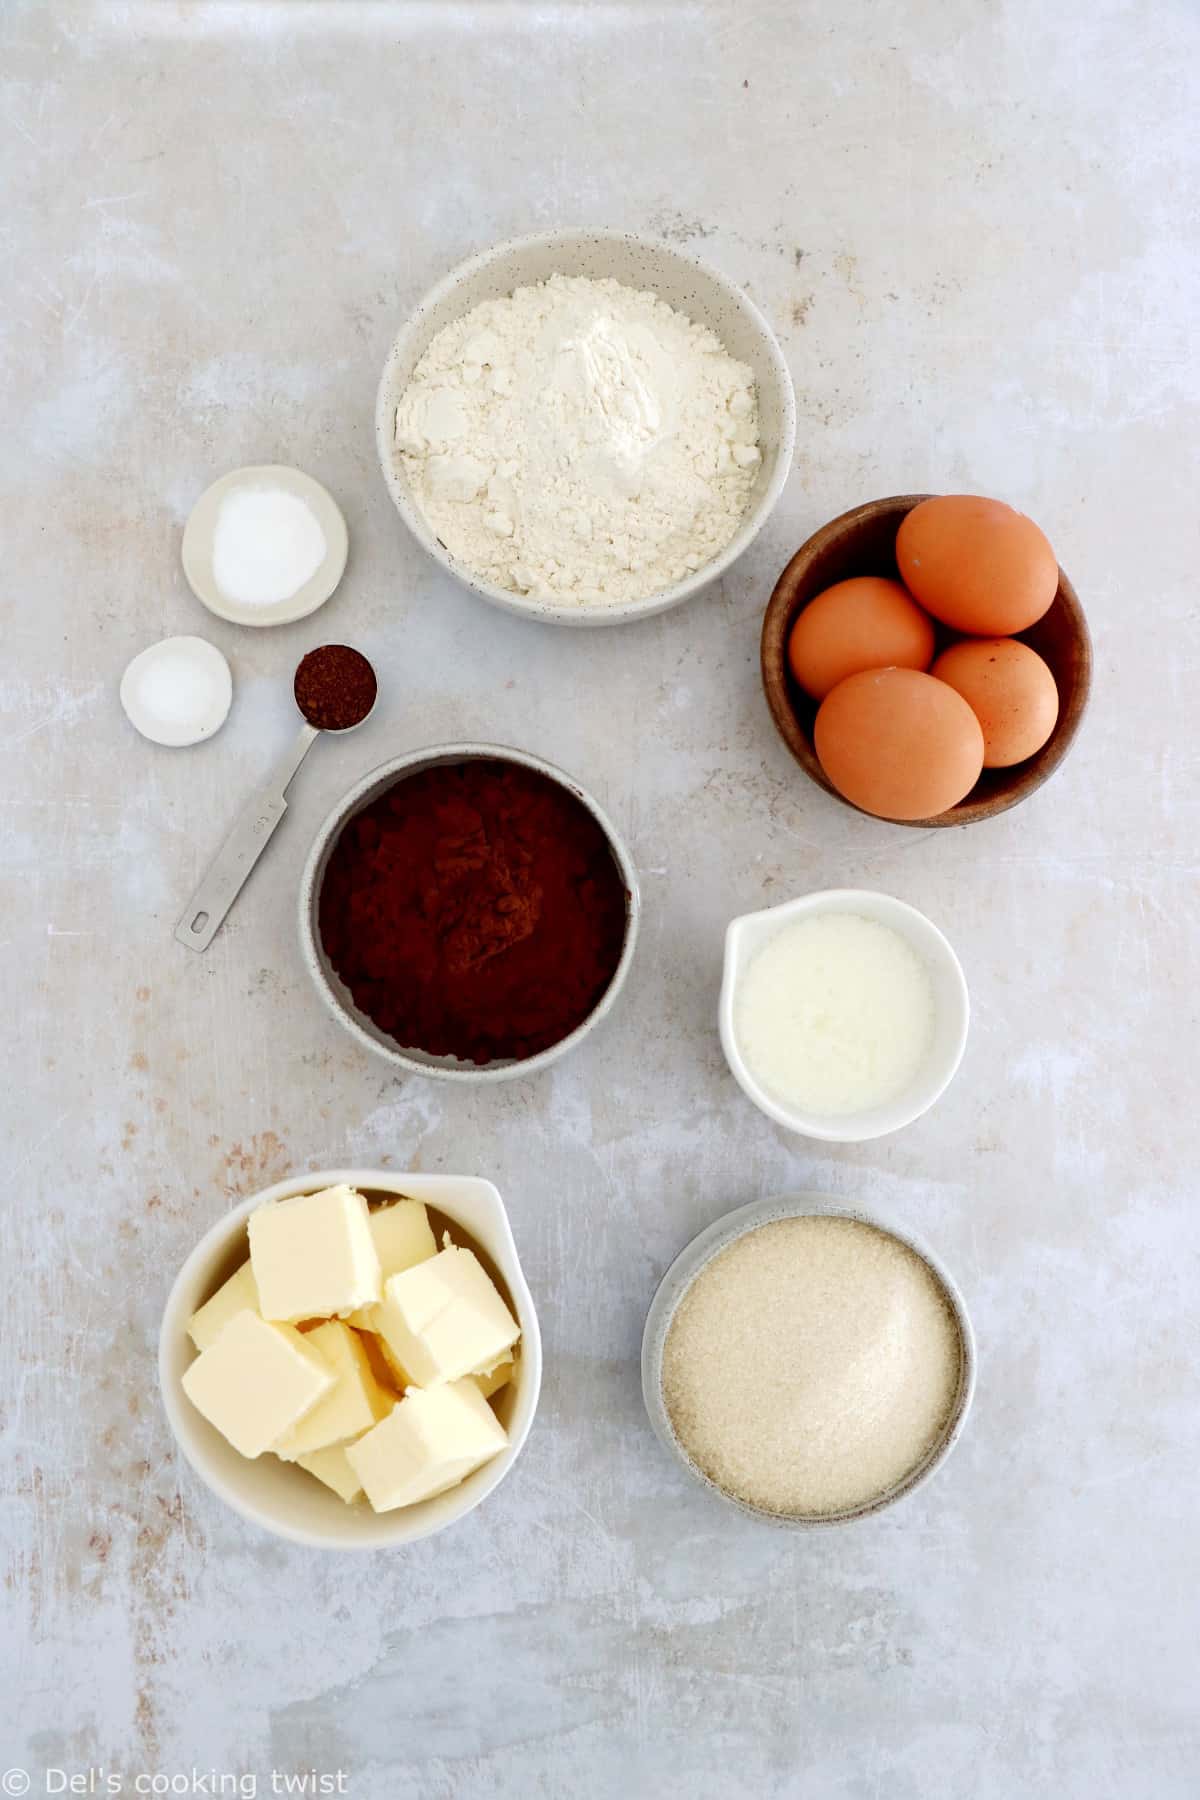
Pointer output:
178, 691
267, 543
811, 1366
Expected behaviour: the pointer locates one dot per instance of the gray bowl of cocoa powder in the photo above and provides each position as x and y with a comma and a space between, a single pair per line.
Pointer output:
333, 991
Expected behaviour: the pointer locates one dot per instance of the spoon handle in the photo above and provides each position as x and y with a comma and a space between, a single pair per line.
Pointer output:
230, 868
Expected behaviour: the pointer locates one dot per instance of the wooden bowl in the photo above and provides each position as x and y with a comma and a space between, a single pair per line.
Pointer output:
863, 542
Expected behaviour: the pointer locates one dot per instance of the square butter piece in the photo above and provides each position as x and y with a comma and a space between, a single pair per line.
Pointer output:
239, 1294
392, 1380
355, 1403
314, 1256
256, 1380
493, 1380
429, 1442
444, 1319
331, 1467
403, 1236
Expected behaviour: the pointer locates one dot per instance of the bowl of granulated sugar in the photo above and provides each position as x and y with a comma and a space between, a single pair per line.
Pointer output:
807, 1362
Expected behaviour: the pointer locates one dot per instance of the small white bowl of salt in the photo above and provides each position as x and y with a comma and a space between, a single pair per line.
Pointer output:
843, 1014
178, 691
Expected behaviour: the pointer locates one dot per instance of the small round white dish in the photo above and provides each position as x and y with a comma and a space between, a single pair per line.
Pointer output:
746, 935
200, 530
336, 997
691, 287
285, 1499
178, 691
709, 1244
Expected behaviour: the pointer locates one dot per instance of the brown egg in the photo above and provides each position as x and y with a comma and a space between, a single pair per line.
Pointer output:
866, 623
898, 743
977, 565
1009, 689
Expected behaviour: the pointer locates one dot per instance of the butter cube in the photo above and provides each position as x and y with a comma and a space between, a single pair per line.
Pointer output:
393, 1369
492, 1380
237, 1295
331, 1467
402, 1237
392, 1380
429, 1442
444, 1319
355, 1403
314, 1256
256, 1380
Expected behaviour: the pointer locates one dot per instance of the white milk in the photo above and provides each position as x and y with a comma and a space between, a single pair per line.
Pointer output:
835, 1015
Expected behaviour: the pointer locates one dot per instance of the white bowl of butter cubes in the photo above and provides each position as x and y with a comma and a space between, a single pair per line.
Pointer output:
352, 1358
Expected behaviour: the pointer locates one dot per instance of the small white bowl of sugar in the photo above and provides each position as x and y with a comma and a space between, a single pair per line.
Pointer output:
843, 1014
264, 545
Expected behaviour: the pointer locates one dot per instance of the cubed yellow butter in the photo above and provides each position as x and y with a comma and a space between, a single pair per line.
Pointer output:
256, 1380
355, 1403
238, 1294
444, 1318
332, 1467
430, 1441
402, 1237
314, 1256
397, 1373
493, 1380
381, 1367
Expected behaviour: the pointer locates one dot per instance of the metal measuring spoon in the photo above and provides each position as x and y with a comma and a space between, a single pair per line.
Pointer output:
323, 710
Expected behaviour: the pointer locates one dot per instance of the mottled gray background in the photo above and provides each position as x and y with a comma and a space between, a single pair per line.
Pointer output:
974, 225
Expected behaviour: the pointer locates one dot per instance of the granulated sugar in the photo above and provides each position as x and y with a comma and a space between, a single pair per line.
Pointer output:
811, 1365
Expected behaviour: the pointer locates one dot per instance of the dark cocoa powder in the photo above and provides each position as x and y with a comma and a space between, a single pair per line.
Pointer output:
474, 910
335, 687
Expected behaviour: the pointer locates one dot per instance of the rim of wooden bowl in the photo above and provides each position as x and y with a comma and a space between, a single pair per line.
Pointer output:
828, 556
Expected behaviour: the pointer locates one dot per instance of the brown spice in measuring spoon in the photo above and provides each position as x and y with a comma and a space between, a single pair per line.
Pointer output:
335, 687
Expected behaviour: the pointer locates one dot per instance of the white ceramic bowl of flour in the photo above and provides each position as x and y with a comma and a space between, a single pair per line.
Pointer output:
689, 287
755, 933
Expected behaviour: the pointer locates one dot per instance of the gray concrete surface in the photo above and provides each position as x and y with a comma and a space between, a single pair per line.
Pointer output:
974, 226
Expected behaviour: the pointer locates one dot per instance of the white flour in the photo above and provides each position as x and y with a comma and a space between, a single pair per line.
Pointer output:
580, 441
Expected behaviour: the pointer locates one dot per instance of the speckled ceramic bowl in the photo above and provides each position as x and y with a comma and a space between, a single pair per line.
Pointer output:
709, 1244
689, 286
